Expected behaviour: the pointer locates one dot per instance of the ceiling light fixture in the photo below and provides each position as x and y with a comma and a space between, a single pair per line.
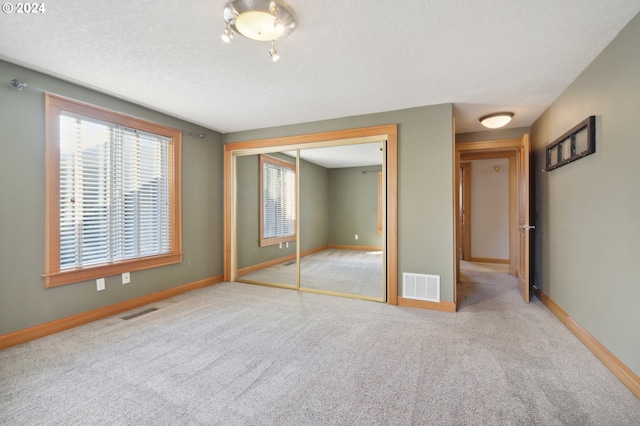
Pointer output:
227, 35
260, 20
496, 120
273, 53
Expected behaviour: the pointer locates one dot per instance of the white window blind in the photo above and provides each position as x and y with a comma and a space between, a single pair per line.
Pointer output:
114, 193
278, 201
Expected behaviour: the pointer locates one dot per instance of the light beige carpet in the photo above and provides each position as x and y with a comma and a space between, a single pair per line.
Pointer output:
240, 354
356, 272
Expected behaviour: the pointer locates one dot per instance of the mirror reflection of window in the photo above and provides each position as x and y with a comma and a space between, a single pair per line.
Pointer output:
277, 201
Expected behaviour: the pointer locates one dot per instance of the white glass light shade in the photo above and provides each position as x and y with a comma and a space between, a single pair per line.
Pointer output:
497, 120
258, 26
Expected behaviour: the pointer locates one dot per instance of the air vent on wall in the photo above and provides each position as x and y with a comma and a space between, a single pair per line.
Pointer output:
421, 287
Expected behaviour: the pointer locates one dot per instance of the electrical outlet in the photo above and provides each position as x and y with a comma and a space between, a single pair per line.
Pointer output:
126, 278
100, 284
356, 236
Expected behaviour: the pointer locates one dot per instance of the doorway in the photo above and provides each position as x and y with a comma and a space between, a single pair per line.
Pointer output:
516, 153
487, 208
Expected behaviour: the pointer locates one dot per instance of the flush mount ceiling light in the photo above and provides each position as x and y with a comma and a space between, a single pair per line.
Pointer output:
496, 120
260, 20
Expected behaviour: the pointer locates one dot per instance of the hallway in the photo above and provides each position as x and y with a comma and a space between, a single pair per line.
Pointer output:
481, 281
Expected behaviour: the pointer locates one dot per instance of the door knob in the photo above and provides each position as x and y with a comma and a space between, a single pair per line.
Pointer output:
527, 227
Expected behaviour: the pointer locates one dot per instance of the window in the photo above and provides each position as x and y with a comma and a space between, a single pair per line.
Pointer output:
277, 201
113, 193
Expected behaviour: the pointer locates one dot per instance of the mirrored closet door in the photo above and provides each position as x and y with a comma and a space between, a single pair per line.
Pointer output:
311, 218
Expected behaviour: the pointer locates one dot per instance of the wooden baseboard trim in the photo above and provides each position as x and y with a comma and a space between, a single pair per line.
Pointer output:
35, 332
488, 260
370, 248
313, 250
621, 371
277, 261
423, 304
267, 264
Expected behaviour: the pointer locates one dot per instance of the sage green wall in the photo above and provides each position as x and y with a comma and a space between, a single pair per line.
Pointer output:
587, 236
314, 204
354, 206
425, 183
24, 301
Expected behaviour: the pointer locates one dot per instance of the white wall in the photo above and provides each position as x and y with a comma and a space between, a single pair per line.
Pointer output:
490, 209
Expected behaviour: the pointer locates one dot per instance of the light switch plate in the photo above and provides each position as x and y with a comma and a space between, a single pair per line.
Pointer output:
100, 284
126, 278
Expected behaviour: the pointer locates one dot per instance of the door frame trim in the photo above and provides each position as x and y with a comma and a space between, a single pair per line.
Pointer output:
486, 149
465, 214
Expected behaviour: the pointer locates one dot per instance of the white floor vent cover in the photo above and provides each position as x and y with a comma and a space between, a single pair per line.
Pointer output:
421, 287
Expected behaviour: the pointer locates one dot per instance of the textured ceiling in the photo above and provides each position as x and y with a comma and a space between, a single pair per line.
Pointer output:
345, 58
355, 155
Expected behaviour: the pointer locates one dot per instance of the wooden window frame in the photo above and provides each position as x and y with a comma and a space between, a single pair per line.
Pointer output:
274, 240
53, 275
